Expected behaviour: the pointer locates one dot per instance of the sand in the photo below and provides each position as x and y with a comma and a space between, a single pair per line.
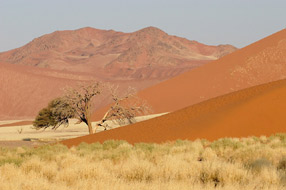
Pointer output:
22, 133
19, 123
261, 62
255, 111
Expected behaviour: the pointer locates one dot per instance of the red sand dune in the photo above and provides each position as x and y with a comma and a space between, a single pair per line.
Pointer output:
259, 110
258, 63
25, 90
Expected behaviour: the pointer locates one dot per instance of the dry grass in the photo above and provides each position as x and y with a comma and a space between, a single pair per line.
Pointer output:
238, 164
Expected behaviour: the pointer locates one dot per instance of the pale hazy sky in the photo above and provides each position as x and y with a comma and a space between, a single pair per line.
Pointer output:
236, 22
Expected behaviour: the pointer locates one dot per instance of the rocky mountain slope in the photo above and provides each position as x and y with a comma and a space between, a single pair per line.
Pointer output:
144, 54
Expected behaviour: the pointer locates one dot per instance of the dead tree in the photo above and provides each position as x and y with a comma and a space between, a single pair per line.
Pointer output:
81, 100
125, 107
78, 103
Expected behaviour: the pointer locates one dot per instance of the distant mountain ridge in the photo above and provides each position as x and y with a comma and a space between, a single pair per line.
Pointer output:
144, 54
32, 75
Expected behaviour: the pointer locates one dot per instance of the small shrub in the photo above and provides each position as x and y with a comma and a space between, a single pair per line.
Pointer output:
226, 142
139, 175
112, 144
145, 147
212, 177
281, 136
180, 142
15, 161
259, 164
20, 130
89, 147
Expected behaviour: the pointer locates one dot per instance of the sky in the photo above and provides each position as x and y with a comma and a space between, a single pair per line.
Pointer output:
213, 22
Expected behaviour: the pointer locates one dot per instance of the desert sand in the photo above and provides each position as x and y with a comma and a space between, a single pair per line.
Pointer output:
18, 123
259, 110
22, 133
261, 62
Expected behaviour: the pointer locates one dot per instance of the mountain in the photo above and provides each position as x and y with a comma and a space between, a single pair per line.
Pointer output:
261, 62
32, 75
149, 53
258, 110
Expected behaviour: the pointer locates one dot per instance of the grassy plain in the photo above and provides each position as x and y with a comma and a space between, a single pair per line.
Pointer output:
229, 163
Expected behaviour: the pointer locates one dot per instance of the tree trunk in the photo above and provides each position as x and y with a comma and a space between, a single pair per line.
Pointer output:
88, 123
89, 126
88, 116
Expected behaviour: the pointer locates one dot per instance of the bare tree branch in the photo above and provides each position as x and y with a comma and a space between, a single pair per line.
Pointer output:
125, 108
81, 100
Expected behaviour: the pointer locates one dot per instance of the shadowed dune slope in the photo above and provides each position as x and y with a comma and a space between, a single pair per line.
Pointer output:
258, 110
258, 63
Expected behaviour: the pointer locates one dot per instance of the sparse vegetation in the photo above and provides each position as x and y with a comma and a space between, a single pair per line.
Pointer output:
237, 164
55, 114
20, 130
78, 103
